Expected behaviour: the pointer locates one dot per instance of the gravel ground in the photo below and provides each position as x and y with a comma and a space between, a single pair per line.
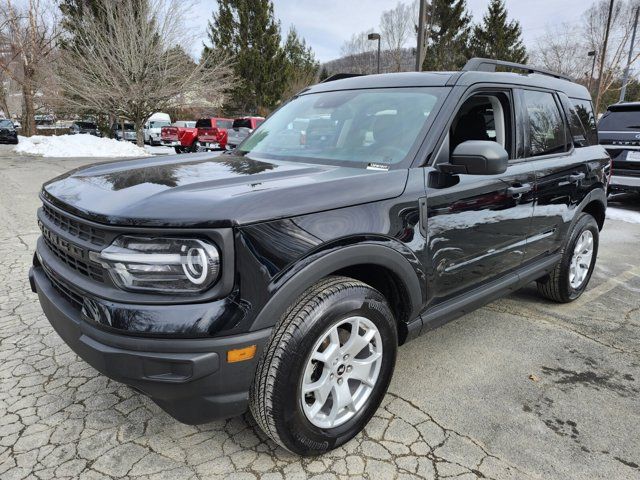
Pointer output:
521, 389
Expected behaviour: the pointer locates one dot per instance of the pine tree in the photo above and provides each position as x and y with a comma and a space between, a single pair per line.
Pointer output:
324, 74
448, 30
498, 38
248, 31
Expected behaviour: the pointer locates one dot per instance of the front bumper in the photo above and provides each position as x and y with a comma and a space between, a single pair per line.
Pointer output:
620, 183
188, 378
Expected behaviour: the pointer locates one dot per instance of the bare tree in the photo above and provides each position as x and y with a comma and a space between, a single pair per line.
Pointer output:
358, 53
595, 22
27, 40
562, 49
127, 60
396, 27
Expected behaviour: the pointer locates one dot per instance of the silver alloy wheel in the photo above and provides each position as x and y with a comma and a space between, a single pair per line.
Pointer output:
341, 371
581, 259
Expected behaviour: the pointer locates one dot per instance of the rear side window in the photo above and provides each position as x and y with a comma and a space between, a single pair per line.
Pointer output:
546, 128
584, 111
203, 123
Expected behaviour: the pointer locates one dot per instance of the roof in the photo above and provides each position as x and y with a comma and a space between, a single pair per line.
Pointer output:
465, 78
618, 107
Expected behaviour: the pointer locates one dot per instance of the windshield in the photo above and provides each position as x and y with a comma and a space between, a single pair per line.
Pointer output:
159, 124
6, 124
360, 126
620, 121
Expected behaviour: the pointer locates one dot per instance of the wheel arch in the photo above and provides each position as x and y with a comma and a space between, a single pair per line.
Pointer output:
379, 266
595, 204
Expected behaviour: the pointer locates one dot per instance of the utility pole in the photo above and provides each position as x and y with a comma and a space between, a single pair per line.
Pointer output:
603, 55
593, 54
376, 36
625, 79
420, 46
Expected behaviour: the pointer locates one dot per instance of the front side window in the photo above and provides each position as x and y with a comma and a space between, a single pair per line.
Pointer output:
546, 128
349, 126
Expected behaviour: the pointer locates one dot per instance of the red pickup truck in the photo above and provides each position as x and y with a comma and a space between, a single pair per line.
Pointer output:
205, 134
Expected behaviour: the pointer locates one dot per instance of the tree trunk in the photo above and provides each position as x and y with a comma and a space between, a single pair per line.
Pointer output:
139, 133
29, 117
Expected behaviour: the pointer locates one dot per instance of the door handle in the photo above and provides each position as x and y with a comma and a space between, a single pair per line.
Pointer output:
576, 177
516, 191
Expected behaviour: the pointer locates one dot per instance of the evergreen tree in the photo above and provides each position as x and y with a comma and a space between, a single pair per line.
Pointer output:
248, 31
448, 30
324, 74
498, 38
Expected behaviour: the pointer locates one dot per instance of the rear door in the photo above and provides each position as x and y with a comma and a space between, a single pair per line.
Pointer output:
562, 176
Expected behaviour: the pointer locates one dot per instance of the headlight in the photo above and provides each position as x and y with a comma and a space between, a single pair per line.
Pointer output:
167, 265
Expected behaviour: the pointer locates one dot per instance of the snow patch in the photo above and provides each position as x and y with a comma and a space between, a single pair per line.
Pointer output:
77, 146
628, 216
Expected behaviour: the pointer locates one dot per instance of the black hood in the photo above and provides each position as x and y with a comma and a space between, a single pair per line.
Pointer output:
206, 191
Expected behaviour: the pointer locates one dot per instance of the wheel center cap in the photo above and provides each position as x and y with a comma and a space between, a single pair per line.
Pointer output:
340, 370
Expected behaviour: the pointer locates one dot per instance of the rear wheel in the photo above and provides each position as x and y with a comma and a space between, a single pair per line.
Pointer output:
197, 147
179, 150
326, 368
571, 275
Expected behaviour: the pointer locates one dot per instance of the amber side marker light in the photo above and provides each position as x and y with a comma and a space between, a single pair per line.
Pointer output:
241, 354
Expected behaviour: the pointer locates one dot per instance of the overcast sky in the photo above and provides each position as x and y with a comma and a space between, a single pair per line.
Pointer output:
326, 24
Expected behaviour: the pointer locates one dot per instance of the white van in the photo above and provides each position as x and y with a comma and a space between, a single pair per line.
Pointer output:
153, 126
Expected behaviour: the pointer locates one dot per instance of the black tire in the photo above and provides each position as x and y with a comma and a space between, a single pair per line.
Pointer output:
197, 147
556, 285
275, 394
179, 150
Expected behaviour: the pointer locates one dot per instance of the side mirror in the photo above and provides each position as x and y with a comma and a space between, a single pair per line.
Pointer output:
477, 157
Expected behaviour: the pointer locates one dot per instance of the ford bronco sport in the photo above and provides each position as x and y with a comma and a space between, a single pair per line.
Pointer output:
281, 277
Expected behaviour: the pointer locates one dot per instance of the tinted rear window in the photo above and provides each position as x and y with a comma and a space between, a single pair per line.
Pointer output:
583, 123
203, 123
242, 123
86, 125
620, 121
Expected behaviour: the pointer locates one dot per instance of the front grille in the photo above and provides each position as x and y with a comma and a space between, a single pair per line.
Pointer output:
88, 269
75, 228
72, 297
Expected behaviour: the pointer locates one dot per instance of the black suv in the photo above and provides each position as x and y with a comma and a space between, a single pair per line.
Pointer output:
619, 132
282, 277
8, 133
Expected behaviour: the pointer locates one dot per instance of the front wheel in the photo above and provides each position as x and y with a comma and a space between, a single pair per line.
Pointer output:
326, 368
571, 275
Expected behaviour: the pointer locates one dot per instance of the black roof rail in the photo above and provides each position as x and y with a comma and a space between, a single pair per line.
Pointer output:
340, 76
478, 64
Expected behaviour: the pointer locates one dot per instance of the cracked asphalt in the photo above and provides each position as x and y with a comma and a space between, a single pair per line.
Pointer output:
520, 389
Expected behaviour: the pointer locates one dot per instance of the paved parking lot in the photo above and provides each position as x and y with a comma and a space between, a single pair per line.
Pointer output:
521, 389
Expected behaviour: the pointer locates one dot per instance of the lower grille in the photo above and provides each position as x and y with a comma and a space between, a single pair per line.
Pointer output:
72, 297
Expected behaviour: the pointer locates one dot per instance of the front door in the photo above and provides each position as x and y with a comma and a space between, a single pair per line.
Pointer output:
476, 225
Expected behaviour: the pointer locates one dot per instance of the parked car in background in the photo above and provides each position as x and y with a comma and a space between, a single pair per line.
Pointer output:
89, 128
153, 128
129, 133
241, 129
619, 133
206, 134
169, 135
17, 124
8, 133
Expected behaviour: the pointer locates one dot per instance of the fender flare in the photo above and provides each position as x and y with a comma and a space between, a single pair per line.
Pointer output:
291, 285
597, 194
